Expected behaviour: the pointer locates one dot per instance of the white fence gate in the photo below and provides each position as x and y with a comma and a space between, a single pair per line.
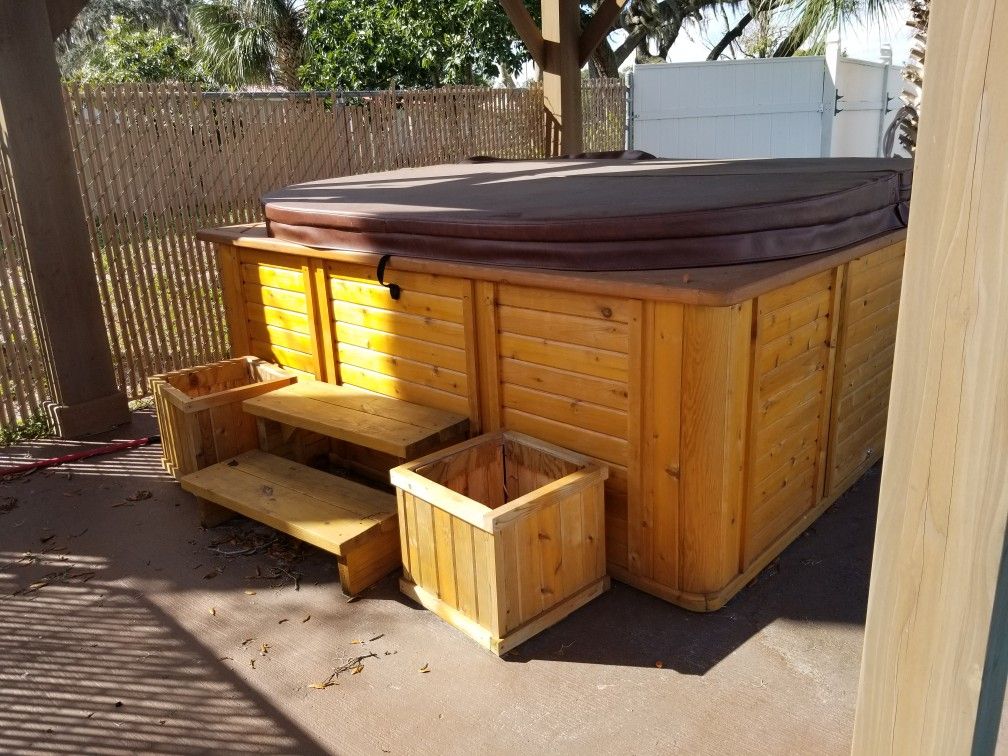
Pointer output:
776, 107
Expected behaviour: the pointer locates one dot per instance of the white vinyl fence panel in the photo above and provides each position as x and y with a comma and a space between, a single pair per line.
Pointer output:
777, 107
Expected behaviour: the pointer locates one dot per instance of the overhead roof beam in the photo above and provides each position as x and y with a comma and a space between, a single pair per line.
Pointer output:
526, 27
598, 28
62, 14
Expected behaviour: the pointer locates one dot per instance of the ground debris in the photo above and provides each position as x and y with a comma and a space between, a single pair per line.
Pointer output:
425, 668
140, 495
251, 539
53, 578
8, 504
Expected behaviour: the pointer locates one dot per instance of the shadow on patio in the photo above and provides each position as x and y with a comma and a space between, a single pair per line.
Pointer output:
83, 666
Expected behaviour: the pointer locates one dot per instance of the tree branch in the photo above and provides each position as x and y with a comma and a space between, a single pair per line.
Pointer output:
730, 36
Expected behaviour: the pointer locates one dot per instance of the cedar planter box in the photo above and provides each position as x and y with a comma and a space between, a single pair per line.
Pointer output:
502, 536
200, 414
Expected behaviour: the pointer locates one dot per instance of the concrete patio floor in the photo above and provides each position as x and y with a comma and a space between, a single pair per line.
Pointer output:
125, 627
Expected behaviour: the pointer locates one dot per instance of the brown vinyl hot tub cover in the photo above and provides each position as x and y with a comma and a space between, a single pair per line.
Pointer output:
595, 215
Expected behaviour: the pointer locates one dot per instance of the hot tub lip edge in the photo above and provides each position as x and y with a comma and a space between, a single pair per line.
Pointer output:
717, 286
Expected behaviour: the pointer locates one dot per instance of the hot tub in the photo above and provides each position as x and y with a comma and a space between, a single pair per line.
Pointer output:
719, 334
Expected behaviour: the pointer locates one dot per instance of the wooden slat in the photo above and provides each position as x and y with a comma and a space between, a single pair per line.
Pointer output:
405, 390
412, 302
600, 446
796, 314
596, 333
408, 370
567, 303
788, 295
581, 387
662, 435
287, 279
321, 509
596, 363
372, 421
715, 379
402, 324
278, 298
409, 281
565, 410
281, 355
274, 316
281, 337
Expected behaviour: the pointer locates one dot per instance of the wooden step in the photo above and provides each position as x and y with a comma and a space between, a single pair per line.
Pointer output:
355, 522
361, 417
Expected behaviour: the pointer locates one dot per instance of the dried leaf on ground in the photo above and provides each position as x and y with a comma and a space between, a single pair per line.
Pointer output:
306, 619
8, 504
250, 593
139, 495
213, 573
425, 668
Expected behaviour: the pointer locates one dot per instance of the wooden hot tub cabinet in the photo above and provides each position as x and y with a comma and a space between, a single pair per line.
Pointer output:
732, 405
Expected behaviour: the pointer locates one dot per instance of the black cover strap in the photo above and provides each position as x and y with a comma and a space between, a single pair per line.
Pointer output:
395, 291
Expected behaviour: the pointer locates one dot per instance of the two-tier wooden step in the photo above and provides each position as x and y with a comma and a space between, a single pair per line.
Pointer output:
368, 432
355, 522
372, 433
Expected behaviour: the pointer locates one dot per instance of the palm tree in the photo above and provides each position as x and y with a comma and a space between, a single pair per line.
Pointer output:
654, 25
74, 46
251, 41
913, 75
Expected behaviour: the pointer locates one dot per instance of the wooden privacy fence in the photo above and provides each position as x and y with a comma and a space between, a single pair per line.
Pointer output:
156, 162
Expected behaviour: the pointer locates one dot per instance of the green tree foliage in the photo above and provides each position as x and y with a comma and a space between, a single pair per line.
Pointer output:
251, 41
414, 43
74, 47
130, 53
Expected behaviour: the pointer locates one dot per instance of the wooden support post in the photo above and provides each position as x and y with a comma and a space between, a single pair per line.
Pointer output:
562, 70
33, 125
933, 675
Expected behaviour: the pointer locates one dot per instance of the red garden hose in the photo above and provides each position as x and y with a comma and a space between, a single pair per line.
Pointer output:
38, 464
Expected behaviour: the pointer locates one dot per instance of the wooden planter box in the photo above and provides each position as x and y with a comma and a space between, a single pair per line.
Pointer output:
502, 536
200, 414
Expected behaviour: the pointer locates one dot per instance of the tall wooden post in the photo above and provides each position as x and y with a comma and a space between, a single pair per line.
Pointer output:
936, 642
561, 32
33, 125
560, 50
